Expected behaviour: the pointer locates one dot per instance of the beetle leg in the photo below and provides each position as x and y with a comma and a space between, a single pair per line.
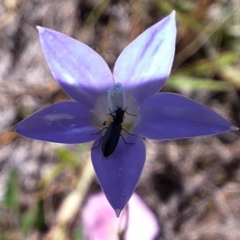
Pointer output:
98, 144
128, 132
125, 141
99, 131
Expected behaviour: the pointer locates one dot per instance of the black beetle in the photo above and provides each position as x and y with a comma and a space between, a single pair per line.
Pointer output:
113, 133
111, 137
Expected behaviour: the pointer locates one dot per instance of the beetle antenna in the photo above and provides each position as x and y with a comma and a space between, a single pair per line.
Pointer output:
130, 113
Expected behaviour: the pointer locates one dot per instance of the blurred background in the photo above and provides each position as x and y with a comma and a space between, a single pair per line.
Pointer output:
191, 186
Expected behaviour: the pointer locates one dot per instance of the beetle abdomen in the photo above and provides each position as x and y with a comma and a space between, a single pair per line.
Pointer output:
111, 138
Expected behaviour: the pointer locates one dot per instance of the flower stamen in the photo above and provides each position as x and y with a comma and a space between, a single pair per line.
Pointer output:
116, 97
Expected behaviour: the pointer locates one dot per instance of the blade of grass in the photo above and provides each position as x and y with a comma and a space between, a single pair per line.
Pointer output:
187, 83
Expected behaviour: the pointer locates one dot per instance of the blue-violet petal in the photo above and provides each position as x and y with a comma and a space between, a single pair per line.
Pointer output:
64, 122
145, 64
170, 116
80, 71
119, 173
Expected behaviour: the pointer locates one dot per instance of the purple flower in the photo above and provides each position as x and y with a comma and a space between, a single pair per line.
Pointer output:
128, 97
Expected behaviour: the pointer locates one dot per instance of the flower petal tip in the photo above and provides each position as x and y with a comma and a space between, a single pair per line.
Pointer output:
40, 29
118, 212
173, 14
233, 128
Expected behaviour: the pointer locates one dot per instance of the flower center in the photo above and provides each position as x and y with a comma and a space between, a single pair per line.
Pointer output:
105, 109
